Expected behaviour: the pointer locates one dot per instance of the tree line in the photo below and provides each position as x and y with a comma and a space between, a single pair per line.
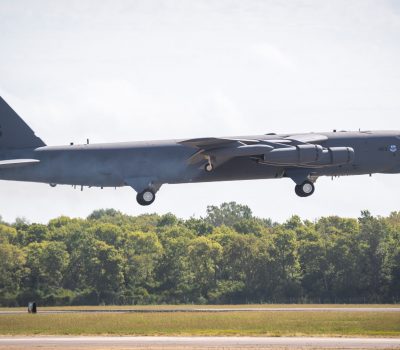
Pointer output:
229, 256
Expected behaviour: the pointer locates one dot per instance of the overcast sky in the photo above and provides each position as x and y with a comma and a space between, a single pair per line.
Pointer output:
136, 70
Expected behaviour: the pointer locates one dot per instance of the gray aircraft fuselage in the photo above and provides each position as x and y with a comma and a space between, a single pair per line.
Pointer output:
148, 165
109, 165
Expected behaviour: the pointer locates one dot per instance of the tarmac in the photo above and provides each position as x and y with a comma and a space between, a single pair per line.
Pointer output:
162, 342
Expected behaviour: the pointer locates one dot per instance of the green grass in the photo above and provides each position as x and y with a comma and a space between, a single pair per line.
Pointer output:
235, 323
189, 306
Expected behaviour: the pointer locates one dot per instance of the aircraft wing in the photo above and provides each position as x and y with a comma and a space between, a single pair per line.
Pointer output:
220, 150
215, 142
14, 163
307, 138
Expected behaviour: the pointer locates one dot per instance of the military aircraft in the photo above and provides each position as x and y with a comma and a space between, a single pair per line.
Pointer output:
147, 165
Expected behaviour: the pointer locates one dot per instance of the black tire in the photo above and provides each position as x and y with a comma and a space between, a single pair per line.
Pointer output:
297, 189
306, 189
146, 197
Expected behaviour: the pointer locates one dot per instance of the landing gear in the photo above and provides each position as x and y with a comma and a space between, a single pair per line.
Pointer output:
146, 197
306, 189
208, 167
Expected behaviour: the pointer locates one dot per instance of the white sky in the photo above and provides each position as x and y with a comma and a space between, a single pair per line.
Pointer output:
135, 70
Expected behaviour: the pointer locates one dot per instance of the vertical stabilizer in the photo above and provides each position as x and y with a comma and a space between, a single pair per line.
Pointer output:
14, 132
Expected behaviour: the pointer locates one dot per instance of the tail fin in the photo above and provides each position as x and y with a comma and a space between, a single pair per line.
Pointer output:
14, 132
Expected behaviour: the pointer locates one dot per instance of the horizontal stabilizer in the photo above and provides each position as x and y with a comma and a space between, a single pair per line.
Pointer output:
14, 163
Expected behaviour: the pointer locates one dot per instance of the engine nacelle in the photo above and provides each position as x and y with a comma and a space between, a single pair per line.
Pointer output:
314, 155
338, 156
301, 154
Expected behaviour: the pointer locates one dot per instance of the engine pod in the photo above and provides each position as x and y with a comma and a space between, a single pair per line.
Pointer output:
310, 155
296, 155
341, 155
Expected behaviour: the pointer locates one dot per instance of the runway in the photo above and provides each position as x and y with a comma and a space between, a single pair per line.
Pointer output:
102, 342
216, 310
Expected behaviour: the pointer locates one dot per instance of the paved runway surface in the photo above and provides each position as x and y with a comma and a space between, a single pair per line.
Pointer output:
198, 342
261, 309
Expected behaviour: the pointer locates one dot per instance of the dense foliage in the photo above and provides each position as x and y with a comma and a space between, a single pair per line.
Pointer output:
229, 256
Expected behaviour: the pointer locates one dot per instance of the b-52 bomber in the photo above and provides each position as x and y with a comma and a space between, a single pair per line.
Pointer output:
147, 165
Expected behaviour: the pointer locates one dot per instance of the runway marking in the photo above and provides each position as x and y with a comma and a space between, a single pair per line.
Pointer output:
140, 341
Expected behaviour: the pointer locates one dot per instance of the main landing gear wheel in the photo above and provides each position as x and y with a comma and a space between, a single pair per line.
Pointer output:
146, 197
306, 189
209, 167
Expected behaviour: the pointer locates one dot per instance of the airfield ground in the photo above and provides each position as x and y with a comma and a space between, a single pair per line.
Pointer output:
346, 322
227, 307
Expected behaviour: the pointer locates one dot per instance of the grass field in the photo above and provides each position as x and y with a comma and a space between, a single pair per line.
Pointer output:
188, 306
270, 323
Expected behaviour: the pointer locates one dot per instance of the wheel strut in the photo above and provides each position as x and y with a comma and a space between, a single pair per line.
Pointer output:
209, 167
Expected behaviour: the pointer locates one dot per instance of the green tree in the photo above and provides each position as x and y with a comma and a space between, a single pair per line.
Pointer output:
245, 266
12, 269
103, 213
142, 252
173, 271
204, 257
229, 256
284, 252
374, 258
106, 232
168, 219
106, 272
36, 233
201, 226
47, 263
227, 214
8, 234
